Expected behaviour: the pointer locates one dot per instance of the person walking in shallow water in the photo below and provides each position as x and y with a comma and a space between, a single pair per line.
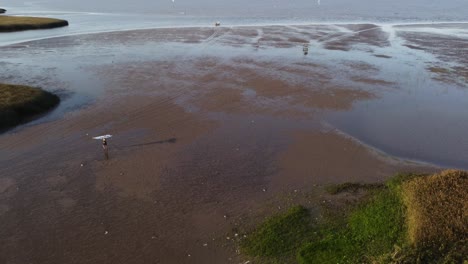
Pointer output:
104, 147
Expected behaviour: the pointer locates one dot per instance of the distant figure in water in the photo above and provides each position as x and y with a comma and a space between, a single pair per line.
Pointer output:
104, 147
217, 24
305, 49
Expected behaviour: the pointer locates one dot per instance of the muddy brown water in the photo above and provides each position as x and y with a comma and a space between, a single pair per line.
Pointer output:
211, 128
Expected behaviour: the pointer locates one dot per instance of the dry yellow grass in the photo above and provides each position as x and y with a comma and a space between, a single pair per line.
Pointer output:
16, 23
437, 208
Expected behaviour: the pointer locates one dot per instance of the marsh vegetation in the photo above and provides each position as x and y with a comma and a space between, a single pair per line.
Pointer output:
19, 103
410, 219
18, 23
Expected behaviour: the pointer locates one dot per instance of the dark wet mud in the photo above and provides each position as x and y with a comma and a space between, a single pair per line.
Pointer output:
209, 126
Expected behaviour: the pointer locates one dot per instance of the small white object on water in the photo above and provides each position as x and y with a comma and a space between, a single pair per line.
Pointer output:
205, 245
228, 238
103, 137
82, 164
106, 232
236, 235
189, 255
264, 189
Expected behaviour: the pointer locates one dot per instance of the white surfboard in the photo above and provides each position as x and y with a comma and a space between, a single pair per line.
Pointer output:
102, 137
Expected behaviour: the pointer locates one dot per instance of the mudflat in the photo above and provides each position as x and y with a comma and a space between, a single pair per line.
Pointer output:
211, 127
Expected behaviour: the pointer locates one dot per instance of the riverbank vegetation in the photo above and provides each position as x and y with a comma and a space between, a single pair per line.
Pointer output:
18, 23
409, 219
19, 103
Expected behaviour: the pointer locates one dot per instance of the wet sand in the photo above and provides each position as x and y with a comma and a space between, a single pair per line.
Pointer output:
156, 199
211, 128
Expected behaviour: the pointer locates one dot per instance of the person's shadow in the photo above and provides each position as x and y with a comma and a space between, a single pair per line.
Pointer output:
167, 141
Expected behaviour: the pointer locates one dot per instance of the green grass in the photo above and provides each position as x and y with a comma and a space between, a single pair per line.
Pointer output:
380, 229
371, 230
20, 103
16, 23
279, 236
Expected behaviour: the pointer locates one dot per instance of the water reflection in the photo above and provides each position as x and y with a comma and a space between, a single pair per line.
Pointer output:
414, 114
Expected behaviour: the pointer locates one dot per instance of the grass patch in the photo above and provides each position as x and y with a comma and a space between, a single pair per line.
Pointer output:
437, 213
370, 230
20, 103
410, 219
279, 236
17, 23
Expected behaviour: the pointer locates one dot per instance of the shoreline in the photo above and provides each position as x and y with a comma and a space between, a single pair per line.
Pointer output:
389, 157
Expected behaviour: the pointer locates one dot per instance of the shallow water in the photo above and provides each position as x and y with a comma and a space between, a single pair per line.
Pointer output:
329, 9
100, 16
416, 114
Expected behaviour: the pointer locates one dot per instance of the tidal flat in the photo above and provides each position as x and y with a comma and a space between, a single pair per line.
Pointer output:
216, 127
